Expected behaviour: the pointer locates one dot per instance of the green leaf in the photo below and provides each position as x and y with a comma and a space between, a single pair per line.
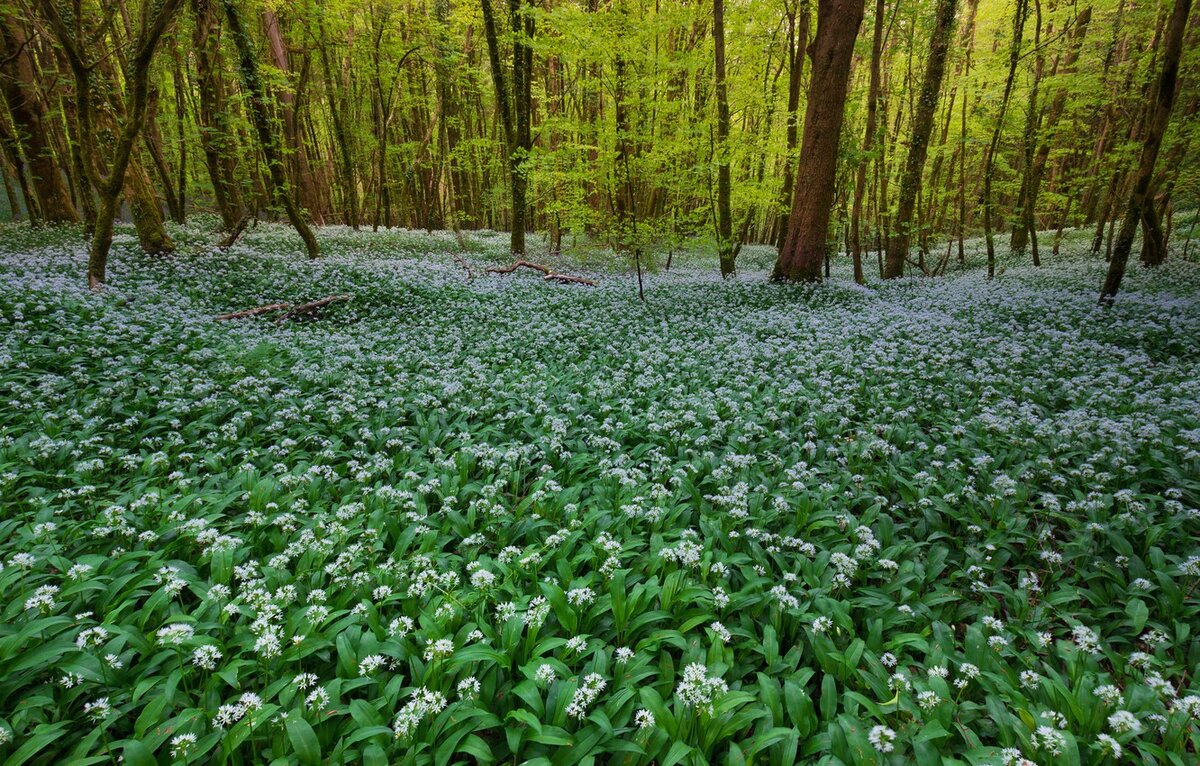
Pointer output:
304, 740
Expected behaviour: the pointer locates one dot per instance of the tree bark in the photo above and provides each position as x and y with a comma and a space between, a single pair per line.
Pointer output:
153, 23
1156, 128
808, 225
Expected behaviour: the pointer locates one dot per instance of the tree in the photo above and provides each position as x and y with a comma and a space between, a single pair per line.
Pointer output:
260, 116
910, 184
108, 177
808, 226
726, 248
19, 83
515, 107
989, 168
1156, 128
860, 175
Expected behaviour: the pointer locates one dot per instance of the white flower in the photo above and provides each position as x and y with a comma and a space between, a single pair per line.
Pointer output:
206, 656
882, 739
585, 695
181, 743
699, 690
721, 631
97, 710
175, 634
822, 624
1109, 746
468, 688
443, 647
372, 662
643, 718
580, 596
1048, 739
1123, 721
545, 674
423, 703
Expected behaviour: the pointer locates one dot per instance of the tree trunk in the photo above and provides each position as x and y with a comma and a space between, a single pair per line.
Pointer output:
910, 184
30, 125
808, 226
1156, 128
725, 246
304, 178
153, 23
260, 116
217, 139
989, 168
860, 175
797, 54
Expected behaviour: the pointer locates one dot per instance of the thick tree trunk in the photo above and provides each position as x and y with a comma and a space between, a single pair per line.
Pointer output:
808, 226
910, 184
260, 116
1143, 179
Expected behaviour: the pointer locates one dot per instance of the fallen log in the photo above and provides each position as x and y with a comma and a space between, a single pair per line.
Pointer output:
309, 308
254, 311
519, 264
567, 278
290, 311
548, 274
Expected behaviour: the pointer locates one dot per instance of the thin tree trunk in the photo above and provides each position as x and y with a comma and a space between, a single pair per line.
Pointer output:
860, 183
989, 168
725, 247
31, 125
797, 54
1157, 127
910, 184
260, 116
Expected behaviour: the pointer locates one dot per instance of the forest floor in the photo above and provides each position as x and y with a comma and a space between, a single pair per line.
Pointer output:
504, 520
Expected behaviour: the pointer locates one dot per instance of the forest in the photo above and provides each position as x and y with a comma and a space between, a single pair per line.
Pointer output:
582, 383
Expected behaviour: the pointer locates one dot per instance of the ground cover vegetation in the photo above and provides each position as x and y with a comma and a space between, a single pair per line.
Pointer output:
499, 519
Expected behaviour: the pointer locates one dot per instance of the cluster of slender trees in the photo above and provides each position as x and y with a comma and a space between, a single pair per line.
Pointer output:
891, 130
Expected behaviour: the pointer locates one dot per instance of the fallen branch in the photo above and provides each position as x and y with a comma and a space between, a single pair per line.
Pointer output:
548, 273
234, 233
462, 262
519, 264
309, 308
291, 312
567, 278
253, 312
